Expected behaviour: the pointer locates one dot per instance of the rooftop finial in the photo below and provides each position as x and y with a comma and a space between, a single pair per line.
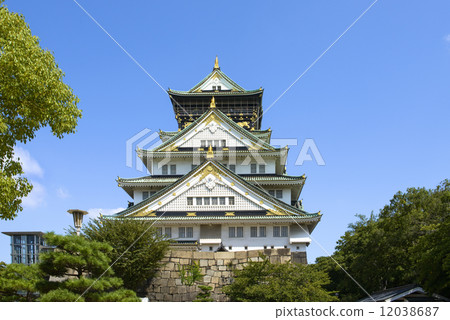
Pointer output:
212, 105
216, 63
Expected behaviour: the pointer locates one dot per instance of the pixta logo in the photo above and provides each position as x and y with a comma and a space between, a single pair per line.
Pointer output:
145, 139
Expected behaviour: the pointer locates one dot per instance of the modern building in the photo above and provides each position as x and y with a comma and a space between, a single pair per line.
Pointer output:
216, 182
26, 246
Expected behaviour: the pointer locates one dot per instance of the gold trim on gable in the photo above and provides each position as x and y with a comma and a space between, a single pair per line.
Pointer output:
191, 214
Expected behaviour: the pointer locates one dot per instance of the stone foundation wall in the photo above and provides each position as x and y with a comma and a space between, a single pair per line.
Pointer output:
216, 267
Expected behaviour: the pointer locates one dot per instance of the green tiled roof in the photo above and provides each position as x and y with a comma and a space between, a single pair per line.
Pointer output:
218, 71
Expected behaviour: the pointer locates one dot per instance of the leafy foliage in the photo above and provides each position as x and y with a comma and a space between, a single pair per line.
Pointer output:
204, 295
136, 242
80, 269
189, 274
408, 242
32, 96
18, 282
264, 281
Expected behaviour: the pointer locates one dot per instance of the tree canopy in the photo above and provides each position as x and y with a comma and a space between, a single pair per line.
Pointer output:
18, 282
136, 242
408, 242
263, 281
32, 95
78, 270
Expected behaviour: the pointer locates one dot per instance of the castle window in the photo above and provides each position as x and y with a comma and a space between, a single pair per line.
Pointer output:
231, 201
185, 232
262, 232
219, 88
206, 201
165, 169
203, 143
144, 195
214, 201
253, 232
214, 88
276, 232
173, 169
236, 232
223, 143
253, 168
168, 232
233, 167
279, 194
284, 231
198, 201
262, 168
222, 201
190, 201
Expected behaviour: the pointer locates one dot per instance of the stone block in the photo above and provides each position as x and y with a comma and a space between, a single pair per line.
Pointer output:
274, 259
203, 255
284, 251
182, 289
207, 279
183, 254
211, 262
176, 298
165, 289
268, 252
284, 259
222, 268
168, 297
220, 262
240, 255
173, 290
254, 259
159, 297
210, 272
253, 253
185, 261
203, 263
224, 255
178, 282
215, 280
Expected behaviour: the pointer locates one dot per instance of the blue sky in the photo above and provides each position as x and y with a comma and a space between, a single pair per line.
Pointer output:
376, 105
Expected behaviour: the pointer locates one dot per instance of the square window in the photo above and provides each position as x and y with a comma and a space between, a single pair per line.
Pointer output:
206, 201
262, 232
181, 232
231, 201
214, 88
272, 193
246, 248
253, 168
198, 201
239, 232
262, 168
219, 88
253, 232
203, 143
173, 169
223, 143
222, 201
233, 167
210, 248
214, 201
231, 232
168, 232
165, 169
144, 195
209, 143
276, 231
230, 248
190, 201
189, 232
279, 194
271, 247
193, 166
284, 231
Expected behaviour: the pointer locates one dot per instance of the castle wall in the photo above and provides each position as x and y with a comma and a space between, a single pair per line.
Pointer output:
217, 268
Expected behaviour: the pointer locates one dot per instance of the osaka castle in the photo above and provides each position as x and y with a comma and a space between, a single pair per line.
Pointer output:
215, 182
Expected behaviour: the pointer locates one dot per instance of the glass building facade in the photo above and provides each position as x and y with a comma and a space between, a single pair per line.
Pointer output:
26, 246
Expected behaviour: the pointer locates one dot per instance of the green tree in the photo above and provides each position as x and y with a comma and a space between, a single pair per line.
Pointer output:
32, 96
263, 281
79, 270
137, 248
408, 242
18, 282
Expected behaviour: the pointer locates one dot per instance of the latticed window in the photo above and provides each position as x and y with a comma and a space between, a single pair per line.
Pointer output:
262, 168
262, 232
279, 194
199, 201
173, 169
214, 201
233, 167
276, 232
190, 201
206, 201
253, 168
165, 169
222, 201
253, 232
144, 195
231, 201
284, 231
168, 232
